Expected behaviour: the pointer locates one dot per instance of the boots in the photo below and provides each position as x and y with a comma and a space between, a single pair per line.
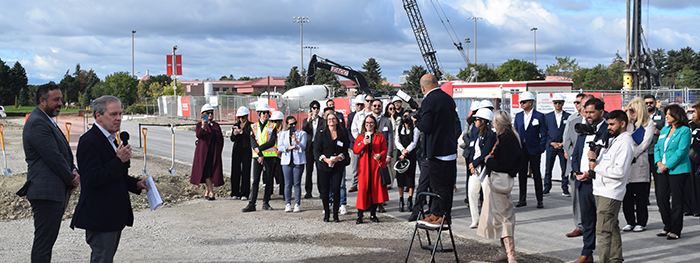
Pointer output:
410, 202
503, 256
401, 204
510, 249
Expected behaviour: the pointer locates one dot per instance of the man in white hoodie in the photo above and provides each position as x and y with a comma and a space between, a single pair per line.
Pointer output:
609, 172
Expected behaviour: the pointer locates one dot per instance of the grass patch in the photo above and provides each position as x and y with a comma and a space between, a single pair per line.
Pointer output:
29, 109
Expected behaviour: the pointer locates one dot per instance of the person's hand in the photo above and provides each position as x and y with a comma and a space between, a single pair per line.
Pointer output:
404, 151
414, 118
142, 185
559, 146
388, 159
583, 176
310, 118
76, 179
329, 161
377, 156
656, 131
592, 155
256, 150
289, 148
294, 138
662, 167
486, 159
260, 160
366, 141
124, 153
553, 144
402, 157
566, 155
237, 131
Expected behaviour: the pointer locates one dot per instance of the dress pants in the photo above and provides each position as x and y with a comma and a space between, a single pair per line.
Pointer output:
534, 162
241, 162
423, 184
576, 204
47, 223
608, 230
441, 176
270, 166
103, 244
549, 163
353, 167
634, 205
671, 187
308, 179
327, 181
588, 217
473, 192
343, 191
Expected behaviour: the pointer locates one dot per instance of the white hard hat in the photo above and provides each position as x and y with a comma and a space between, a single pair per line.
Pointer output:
401, 166
360, 99
559, 97
206, 107
262, 106
526, 96
486, 104
475, 105
395, 99
484, 114
277, 116
242, 111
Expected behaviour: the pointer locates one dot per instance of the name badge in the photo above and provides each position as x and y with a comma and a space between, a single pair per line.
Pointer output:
535, 122
657, 118
564, 121
606, 157
385, 129
695, 131
471, 144
269, 129
662, 136
339, 143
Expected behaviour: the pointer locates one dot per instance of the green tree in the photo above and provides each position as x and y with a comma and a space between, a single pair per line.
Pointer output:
485, 73
12, 80
518, 70
93, 80
373, 73
23, 99
412, 85
69, 87
225, 78
449, 77
325, 77
122, 85
6, 93
565, 67
689, 78
293, 79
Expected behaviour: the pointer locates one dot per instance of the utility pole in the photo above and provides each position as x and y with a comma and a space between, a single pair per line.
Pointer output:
174, 72
132, 52
534, 30
301, 20
475, 19
310, 48
466, 40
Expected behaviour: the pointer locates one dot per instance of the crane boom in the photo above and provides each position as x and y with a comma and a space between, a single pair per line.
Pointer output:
421, 33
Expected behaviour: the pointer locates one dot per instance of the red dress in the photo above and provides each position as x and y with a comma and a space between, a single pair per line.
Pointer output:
369, 185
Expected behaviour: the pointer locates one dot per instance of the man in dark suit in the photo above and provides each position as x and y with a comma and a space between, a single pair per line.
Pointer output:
555, 122
311, 125
330, 103
104, 208
530, 126
436, 115
51, 175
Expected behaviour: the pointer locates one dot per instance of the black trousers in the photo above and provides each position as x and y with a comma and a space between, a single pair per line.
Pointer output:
47, 222
441, 176
549, 166
423, 185
308, 179
270, 166
669, 187
327, 181
103, 244
241, 162
634, 204
692, 192
588, 217
534, 162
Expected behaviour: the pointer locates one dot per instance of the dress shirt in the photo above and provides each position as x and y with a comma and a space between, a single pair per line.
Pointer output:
527, 116
111, 137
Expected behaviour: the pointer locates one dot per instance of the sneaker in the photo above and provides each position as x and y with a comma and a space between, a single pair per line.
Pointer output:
243, 198
425, 221
566, 194
266, 206
343, 210
234, 197
288, 208
627, 228
639, 228
296, 208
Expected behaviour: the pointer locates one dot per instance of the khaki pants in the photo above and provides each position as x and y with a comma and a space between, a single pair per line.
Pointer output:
608, 230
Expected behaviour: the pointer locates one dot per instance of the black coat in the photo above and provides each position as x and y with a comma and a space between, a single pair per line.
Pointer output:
507, 157
308, 127
325, 145
437, 122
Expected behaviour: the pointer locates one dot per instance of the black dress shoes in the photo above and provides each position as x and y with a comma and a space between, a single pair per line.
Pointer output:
308, 195
359, 220
540, 204
521, 204
374, 219
249, 208
336, 219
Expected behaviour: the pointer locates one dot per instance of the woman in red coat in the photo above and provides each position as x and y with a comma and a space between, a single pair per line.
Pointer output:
370, 191
207, 166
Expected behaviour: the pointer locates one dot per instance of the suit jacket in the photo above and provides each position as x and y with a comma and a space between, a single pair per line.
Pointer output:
386, 127
570, 135
676, 151
325, 145
308, 127
582, 148
437, 122
104, 204
659, 120
554, 133
348, 125
283, 142
49, 159
535, 136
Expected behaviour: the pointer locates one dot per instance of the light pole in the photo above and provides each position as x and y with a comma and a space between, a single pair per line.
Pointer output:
301, 20
475, 18
132, 52
310, 48
174, 72
534, 30
466, 40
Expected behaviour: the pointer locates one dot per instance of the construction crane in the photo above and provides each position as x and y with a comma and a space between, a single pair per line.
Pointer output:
640, 70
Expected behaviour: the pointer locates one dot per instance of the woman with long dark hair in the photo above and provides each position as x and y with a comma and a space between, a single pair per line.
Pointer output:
671, 156
371, 147
406, 139
331, 153
481, 147
241, 156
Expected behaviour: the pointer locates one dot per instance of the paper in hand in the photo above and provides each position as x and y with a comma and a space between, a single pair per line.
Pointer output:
484, 172
154, 200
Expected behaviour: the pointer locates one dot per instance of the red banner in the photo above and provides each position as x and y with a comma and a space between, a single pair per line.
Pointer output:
178, 64
185, 106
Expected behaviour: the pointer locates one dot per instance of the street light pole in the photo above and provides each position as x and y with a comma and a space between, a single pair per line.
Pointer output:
466, 40
475, 19
534, 30
301, 20
174, 72
310, 48
132, 52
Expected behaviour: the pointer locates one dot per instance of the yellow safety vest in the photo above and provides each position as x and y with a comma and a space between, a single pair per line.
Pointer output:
262, 136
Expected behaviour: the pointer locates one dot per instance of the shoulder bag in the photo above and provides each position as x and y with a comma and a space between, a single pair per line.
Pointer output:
500, 182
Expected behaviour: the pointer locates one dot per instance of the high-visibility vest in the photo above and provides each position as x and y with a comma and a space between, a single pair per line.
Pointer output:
262, 136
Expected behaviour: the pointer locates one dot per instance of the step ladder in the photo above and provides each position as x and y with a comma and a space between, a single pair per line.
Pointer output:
437, 246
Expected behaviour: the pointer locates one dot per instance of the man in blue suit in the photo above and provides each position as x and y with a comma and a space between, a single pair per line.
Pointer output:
555, 122
533, 134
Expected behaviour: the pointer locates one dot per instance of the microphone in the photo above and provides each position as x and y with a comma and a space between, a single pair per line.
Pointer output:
124, 136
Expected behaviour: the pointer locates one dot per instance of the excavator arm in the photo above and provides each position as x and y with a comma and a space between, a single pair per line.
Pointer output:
336, 68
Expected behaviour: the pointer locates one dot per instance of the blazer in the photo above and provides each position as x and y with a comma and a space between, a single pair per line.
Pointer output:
386, 127
298, 154
554, 133
535, 136
570, 135
104, 204
437, 122
348, 125
676, 152
326, 146
308, 127
241, 142
582, 148
49, 159
485, 142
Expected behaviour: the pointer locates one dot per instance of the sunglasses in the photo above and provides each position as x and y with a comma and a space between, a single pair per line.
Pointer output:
648, 102
292, 124
263, 112
368, 100
525, 101
314, 108
477, 119
377, 106
391, 108
577, 102
558, 102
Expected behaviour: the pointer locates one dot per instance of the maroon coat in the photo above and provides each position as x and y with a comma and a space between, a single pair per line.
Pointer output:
204, 137
369, 184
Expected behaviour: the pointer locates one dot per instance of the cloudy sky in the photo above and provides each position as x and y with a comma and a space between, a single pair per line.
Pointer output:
259, 38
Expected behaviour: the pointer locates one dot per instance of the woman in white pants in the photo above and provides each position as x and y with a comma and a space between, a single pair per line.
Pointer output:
481, 145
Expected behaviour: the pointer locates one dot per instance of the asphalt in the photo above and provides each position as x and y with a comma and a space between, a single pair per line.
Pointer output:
537, 231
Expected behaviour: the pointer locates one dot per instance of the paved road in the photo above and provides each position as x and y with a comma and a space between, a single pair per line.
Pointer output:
537, 230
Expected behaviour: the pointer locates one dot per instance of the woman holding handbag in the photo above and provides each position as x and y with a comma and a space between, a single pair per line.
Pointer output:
371, 149
497, 215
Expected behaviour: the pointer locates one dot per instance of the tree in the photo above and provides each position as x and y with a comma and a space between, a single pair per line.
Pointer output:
69, 88
158, 89
689, 78
485, 73
12, 80
293, 79
93, 80
565, 67
373, 73
449, 77
518, 70
23, 99
122, 85
412, 85
326, 77
224, 78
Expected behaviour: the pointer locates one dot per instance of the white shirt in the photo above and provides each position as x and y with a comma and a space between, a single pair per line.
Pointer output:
613, 168
357, 122
557, 117
110, 136
404, 131
314, 123
526, 118
584, 154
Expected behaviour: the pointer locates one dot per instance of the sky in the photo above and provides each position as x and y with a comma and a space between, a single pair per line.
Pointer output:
259, 38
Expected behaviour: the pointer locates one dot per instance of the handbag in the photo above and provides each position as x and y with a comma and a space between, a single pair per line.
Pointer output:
384, 175
500, 182
694, 155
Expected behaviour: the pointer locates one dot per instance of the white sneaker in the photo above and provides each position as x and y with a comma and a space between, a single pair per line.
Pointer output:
296, 208
234, 197
343, 210
243, 198
627, 228
288, 208
639, 228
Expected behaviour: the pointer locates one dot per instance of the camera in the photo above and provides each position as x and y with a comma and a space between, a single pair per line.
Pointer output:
592, 145
584, 129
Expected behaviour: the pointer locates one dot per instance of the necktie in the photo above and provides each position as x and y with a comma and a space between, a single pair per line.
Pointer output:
116, 143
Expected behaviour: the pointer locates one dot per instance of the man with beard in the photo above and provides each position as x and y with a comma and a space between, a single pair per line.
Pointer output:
659, 119
570, 138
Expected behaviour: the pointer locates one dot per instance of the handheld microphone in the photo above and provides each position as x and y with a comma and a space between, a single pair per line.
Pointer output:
124, 136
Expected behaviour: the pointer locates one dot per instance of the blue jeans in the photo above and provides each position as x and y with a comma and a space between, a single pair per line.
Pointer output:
292, 177
343, 191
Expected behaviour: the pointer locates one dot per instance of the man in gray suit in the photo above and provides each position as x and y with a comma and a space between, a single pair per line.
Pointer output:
51, 176
570, 138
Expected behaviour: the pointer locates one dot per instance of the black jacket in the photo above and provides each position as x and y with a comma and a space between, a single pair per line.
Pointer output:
507, 157
308, 127
437, 122
325, 145
241, 142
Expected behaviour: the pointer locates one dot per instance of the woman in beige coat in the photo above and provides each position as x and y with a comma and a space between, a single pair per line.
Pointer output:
634, 204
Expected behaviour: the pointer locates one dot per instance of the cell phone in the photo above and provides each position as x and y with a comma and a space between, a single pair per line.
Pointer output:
206, 117
368, 135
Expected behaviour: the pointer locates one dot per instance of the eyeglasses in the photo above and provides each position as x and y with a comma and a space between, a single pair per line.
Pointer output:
314, 108
558, 102
292, 124
577, 102
648, 102
377, 106
369, 123
368, 100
